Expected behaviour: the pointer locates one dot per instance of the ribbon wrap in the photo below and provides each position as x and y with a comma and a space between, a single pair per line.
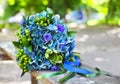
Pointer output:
75, 66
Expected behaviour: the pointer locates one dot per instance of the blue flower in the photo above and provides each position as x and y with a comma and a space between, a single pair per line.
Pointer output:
60, 28
31, 19
47, 37
32, 27
62, 47
52, 27
54, 68
35, 66
71, 46
30, 54
22, 22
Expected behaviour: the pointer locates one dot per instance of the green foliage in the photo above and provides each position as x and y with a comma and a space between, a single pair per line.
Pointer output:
31, 6
109, 8
113, 16
71, 33
16, 44
53, 56
1, 26
96, 5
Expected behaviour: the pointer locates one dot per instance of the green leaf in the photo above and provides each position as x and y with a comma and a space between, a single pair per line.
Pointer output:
55, 58
49, 11
16, 44
77, 54
71, 33
50, 74
30, 48
27, 20
25, 41
69, 76
24, 17
22, 73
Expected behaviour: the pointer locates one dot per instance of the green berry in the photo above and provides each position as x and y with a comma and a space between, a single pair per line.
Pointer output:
25, 70
27, 31
21, 50
24, 63
20, 41
29, 61
27, 34
45, 24
25, 59
29, 39
37, 19
24, 56
48, 21
37, 23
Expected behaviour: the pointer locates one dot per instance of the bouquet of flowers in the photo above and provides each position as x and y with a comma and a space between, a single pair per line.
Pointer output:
45, 43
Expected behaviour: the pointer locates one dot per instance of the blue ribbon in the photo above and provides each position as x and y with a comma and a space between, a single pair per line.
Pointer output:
75, 67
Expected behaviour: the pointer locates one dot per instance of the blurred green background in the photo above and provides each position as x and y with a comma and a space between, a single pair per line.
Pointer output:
109, 9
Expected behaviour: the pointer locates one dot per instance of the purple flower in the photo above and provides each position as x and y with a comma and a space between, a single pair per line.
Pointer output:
60, 28
54, 68
62, 47
47, 37
22, 22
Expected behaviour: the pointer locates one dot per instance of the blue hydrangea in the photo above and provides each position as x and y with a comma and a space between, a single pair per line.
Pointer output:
60, 28
48, 35
22, 22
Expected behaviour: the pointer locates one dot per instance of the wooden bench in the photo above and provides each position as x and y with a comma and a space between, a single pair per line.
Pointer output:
9, 51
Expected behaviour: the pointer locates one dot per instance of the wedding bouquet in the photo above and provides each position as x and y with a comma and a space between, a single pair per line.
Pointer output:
45, 43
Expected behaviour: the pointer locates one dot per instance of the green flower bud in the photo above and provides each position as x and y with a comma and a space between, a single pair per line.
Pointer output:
37, 23
21, 50
29, 61
37, 19
24, 63
20, 41
41, 22
27, 34
29, 39
26, 59
48, 21
27, 31
45, 24
25, 70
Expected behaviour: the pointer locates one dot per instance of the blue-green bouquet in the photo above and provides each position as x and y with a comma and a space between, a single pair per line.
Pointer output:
45, 43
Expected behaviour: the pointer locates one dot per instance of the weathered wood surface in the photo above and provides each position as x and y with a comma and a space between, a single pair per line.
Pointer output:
9, 49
